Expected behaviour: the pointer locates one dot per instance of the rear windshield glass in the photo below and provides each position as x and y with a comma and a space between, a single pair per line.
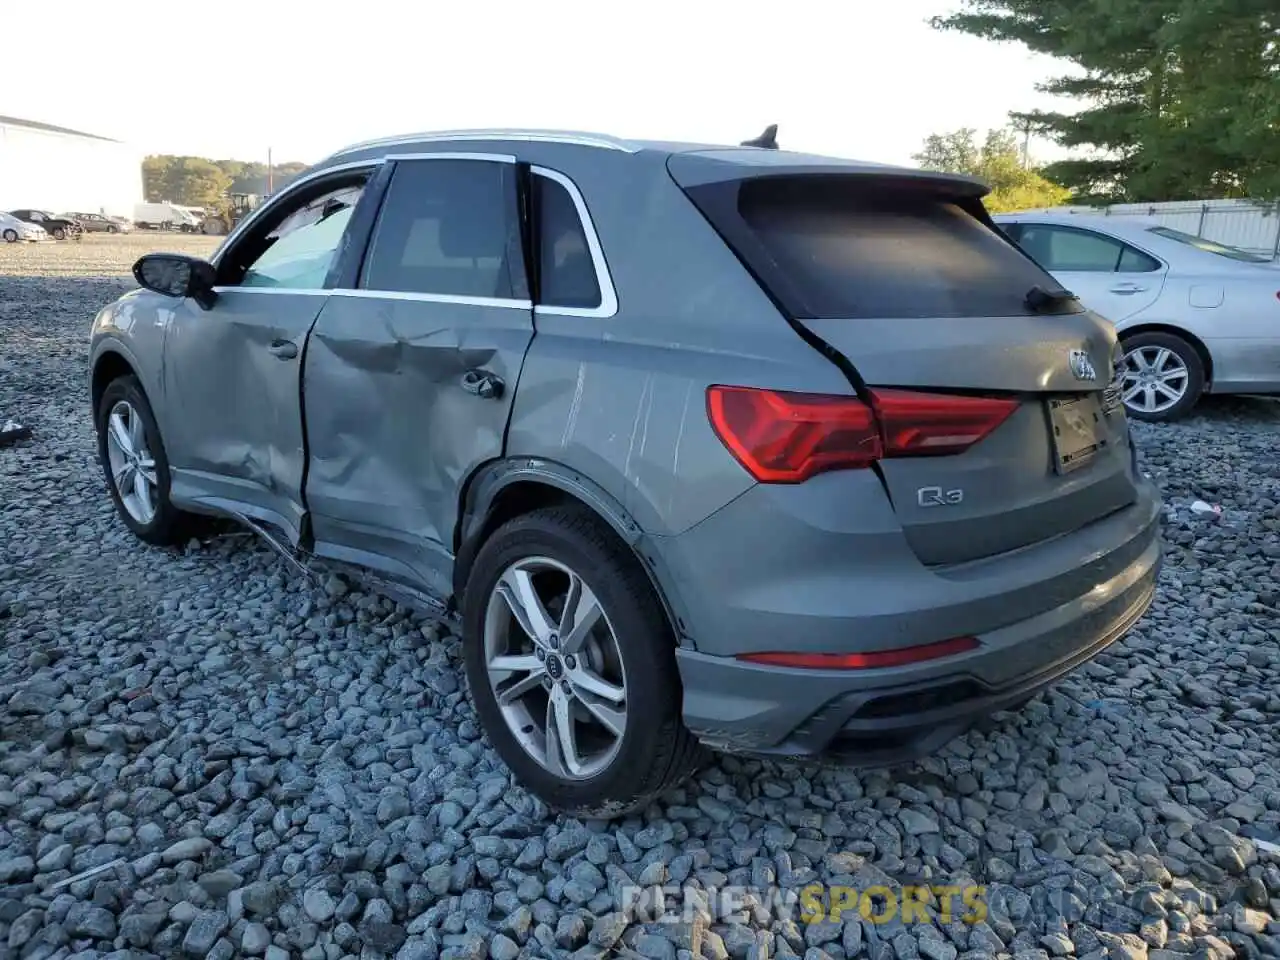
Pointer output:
1208, 246
840, 247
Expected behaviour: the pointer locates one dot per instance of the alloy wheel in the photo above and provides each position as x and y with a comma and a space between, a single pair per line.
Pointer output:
555, 669
1155, 379
133, 468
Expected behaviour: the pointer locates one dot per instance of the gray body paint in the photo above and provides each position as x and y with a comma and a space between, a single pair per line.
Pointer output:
366, 449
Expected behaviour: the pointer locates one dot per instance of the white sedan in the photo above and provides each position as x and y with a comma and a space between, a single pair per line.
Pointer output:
1194, 316
12, 230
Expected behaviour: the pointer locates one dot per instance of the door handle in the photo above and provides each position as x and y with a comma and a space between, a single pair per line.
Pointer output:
283, 349
483, 384
1127, 288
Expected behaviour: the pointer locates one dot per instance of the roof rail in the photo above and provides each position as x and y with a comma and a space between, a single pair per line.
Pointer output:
536, 136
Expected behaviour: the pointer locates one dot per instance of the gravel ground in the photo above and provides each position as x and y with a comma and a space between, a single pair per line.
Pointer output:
281, 768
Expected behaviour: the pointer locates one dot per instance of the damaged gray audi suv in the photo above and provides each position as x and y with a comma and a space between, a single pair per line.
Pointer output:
704, 446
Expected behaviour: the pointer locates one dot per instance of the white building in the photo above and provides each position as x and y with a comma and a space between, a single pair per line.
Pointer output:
43, 167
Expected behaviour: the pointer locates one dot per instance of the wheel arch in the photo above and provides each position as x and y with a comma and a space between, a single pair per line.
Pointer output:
1182, 333
504, 489
110, 364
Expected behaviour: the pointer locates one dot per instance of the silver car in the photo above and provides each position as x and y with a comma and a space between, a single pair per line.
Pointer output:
100, 223
13, 230
1194, 316
705, 446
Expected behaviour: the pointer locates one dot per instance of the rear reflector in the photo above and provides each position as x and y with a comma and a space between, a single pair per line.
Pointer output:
782, 437
864, 661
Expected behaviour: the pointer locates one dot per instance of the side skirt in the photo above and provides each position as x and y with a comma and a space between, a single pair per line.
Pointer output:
313, 567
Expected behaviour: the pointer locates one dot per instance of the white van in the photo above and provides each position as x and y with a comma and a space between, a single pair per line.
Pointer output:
164, 216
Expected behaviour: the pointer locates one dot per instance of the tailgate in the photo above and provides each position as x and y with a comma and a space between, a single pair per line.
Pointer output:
901, 280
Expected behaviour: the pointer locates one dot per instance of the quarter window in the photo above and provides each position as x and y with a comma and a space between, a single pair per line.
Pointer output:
565, 269
449, 228
1135, 261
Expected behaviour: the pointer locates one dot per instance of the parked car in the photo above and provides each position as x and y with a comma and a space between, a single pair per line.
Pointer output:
60, 228
727, 447
12, 230
1194, 316
100, 223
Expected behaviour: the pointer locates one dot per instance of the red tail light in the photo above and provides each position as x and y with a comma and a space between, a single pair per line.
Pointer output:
788, 437
865, 661
922, 424
782, 437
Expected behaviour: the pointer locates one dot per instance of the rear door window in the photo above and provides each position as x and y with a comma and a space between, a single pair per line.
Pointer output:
448, 228
1073, 250
840, 246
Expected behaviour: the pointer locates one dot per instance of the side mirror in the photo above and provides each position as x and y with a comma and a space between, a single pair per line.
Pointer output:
176, 275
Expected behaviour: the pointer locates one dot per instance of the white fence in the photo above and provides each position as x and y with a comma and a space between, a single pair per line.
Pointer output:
1248, 224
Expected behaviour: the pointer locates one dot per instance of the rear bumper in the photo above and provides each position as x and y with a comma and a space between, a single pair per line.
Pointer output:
892, 715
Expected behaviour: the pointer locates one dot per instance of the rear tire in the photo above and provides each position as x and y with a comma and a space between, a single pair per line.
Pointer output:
166, 525
1174, 376
654, 750
11, 236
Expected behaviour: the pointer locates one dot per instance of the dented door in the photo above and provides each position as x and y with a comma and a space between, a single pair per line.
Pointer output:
234, 372
410, 374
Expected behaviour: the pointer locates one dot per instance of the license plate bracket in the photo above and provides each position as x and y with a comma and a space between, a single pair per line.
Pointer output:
1078, 431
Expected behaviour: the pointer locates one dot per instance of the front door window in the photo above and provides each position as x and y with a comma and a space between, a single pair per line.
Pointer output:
301, 250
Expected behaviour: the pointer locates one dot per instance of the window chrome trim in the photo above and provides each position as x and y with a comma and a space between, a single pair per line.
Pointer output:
448, 155
459, 299
294, 185
355, 294
296, 291
599, 141
608, 295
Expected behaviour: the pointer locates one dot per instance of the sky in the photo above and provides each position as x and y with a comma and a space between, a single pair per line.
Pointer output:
867, 79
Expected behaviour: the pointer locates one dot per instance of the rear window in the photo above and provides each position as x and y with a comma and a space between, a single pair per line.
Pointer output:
1209, 246
829, 247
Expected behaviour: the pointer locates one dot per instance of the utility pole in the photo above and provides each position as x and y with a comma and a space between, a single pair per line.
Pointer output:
270, 178
1026, 143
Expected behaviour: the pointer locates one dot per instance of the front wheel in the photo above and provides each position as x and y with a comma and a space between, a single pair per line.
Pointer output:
59, 233
571, 665
1163, 376
136, 468
11, 236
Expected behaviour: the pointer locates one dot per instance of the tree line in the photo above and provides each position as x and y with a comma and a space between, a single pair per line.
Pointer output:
1180, 99
200, 182
996, 160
